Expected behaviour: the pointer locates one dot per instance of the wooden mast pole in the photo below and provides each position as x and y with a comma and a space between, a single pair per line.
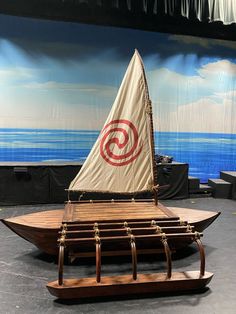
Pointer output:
154, 168
149, 112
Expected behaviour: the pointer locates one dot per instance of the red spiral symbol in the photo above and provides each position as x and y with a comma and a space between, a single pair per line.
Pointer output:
109, 137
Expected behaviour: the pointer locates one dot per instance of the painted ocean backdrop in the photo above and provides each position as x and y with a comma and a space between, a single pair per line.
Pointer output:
206, 153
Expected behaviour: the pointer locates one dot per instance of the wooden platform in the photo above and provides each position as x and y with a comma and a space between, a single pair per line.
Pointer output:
116, 211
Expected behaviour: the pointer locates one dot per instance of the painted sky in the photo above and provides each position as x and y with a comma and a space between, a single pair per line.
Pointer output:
65, 76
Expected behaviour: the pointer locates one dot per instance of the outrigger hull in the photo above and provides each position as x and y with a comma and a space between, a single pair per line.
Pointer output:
41, 228
125, 285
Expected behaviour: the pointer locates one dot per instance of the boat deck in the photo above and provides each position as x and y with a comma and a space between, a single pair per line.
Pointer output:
116, 211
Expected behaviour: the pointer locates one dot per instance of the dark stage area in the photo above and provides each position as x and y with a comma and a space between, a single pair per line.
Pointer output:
47, 182
25, 270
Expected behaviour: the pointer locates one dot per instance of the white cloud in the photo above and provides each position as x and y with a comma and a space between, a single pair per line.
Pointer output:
227, 95
217, 68
204, 115
212, 80
17, 73
172, 88
170, 79
100, 90
26, 113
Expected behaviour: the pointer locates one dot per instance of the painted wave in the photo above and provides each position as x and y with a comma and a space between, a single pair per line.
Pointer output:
206, 153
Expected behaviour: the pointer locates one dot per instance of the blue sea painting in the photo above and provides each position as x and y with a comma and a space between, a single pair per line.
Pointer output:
59, 80
206, 154
34, 145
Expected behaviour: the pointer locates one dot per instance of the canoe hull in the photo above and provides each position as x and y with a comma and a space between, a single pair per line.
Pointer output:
41, 228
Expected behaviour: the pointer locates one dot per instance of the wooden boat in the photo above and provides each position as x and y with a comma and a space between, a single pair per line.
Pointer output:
41, 228
120, 162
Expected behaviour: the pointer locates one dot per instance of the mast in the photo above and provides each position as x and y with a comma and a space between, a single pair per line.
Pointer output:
150, 113
154, 168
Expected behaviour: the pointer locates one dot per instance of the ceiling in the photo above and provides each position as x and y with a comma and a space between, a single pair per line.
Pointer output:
148, 15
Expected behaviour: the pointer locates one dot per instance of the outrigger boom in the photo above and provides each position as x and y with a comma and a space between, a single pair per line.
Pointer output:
127, 284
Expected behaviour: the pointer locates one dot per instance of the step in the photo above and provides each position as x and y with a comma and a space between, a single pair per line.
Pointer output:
230, 176
221, 188
193, 184
204, 190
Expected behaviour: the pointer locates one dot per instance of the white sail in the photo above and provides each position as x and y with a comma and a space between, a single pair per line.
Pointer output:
121, 160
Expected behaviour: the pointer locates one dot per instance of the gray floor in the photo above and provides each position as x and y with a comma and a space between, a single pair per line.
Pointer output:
25, 271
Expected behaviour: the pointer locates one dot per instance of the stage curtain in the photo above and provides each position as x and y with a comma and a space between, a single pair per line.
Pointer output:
214, 10
203, 10
223, 10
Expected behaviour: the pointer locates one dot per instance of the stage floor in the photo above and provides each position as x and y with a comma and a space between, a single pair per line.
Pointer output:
25, 270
